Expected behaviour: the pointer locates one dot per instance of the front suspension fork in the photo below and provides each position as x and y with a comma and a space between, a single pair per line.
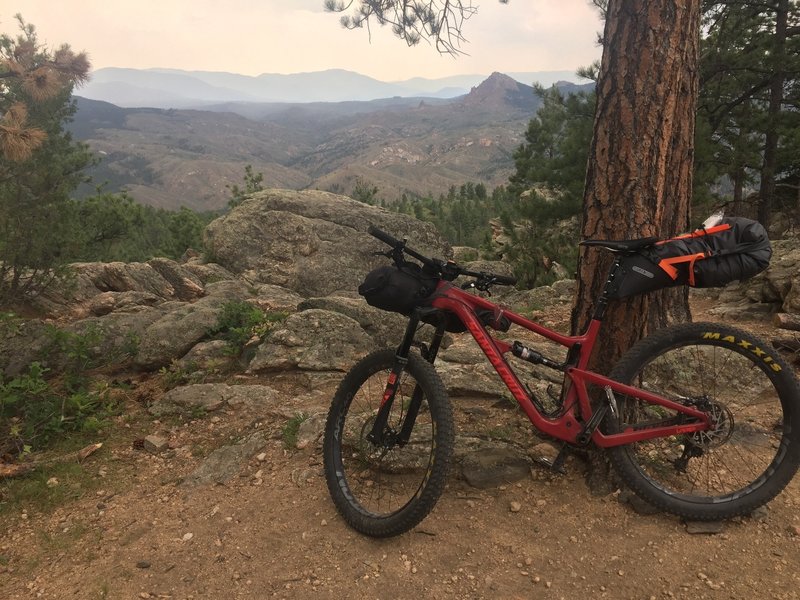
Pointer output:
378, 433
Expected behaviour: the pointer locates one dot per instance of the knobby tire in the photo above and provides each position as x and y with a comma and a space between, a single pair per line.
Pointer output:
754, 449
383, 491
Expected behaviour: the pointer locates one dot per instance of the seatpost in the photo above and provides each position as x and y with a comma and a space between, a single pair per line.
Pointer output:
609, 287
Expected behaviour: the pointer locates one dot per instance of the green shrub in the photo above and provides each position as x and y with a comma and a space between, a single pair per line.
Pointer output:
35, 412
239, 321
40, 406
10, 323
79, 351
291, 429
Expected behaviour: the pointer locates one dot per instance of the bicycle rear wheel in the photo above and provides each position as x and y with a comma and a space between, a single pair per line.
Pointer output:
386, 488
753, 449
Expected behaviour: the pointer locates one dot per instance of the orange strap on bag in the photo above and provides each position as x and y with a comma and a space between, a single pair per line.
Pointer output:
667, 264
699, 233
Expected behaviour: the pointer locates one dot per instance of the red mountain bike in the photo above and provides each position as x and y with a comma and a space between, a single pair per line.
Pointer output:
701, 420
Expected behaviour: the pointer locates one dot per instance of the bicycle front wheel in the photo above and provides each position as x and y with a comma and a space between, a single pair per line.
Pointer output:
385, 488
753, 448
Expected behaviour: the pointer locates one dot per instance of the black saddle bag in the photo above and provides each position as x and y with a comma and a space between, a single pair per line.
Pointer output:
736, 249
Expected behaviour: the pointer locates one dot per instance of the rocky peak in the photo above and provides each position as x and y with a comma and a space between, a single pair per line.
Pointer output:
500, 90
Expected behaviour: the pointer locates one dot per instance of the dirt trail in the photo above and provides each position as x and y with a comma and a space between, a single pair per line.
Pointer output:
272, 531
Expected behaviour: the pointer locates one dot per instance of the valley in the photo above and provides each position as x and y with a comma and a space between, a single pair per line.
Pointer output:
417, 146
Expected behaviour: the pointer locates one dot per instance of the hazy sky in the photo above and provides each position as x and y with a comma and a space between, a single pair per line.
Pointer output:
291, 36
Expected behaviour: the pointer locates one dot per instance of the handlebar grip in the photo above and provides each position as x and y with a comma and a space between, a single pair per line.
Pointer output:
383, 236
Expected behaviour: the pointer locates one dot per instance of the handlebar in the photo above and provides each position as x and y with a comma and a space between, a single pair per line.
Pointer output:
383, 236
447, 270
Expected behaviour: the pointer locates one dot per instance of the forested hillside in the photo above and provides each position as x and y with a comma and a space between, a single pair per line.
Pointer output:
173, 158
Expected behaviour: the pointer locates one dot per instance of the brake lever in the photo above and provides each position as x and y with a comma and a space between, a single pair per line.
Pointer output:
396, 254
479, 285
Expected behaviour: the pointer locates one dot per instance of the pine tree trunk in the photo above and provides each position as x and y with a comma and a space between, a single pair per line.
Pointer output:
639, 176
766, 192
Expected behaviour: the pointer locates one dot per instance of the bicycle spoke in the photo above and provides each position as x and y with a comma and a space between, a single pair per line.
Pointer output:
738, 389
381, 484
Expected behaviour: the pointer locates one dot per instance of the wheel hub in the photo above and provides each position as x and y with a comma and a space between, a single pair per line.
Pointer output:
387, 441
722, 423
700, 442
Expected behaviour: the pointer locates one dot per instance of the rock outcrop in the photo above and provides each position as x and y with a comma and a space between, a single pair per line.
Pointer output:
280, 247
311, 242
777, 289
298, 256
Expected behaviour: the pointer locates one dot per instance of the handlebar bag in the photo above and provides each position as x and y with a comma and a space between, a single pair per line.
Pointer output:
398, 289
736, 249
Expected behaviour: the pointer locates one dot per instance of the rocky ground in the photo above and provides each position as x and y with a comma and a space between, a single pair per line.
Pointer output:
209, 483
227, 503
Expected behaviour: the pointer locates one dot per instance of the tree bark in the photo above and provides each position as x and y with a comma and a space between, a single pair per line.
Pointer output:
639, 176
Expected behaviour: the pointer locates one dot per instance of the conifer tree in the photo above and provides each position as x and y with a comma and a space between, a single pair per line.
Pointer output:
31, 74
639, 175
40, 165
749, 94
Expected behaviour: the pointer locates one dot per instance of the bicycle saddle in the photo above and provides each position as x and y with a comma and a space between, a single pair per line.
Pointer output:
622, 246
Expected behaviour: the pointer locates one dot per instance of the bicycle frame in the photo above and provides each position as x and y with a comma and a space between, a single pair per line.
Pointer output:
578, 421
577, 408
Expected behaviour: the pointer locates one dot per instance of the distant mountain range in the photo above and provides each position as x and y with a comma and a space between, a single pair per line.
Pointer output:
171, 88
422, 145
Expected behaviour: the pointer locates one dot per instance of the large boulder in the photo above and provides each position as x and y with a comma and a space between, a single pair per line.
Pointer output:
783, 275
313, 340
99, 288
385, 328
175, 333
311, 242
183, 324
775, 289
107, 339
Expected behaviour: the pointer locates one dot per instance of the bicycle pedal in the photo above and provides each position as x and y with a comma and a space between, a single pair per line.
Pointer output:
549, 464
556, 465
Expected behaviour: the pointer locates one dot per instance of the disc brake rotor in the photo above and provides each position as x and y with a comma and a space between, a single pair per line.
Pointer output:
722, 424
